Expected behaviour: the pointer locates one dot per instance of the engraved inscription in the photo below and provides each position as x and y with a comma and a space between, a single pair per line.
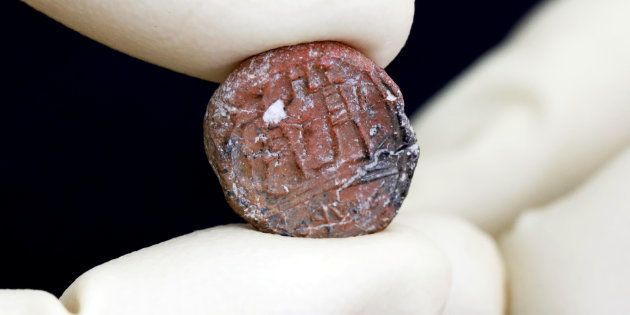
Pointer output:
328, 162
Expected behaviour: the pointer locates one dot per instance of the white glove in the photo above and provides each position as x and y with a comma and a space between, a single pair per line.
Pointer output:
208, 38
530, 121
573, 256
422, 264
536, 126
235, 270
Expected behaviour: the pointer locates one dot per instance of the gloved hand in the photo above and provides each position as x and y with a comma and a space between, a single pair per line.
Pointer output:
422, 264
541, 126
208, 38
407, 269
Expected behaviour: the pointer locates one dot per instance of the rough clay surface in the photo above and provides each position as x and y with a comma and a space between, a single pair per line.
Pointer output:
311, 140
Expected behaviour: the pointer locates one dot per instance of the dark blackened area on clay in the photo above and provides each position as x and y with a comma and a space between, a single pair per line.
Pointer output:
311, 141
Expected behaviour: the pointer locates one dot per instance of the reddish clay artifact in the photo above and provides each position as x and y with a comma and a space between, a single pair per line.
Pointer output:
311, 140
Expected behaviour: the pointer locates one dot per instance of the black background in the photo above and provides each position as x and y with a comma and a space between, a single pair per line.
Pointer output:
101, 154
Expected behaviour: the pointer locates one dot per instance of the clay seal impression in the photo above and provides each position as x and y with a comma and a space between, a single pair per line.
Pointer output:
311, 140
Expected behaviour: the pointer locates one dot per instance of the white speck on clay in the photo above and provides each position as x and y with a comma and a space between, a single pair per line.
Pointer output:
415, 149
390, 96
275, 113
374, 130
403, 177
260, 138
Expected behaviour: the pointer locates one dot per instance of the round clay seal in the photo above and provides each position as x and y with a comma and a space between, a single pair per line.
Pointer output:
311, 140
